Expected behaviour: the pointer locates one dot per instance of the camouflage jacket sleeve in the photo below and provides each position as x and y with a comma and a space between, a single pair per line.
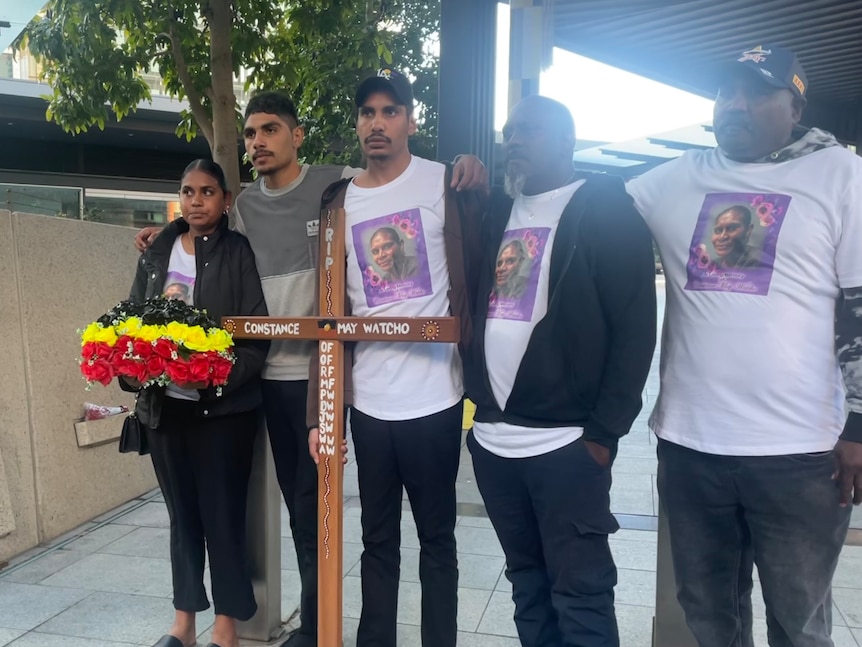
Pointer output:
848, 338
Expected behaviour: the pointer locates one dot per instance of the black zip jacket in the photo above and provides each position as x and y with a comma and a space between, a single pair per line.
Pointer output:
587, 360
227, 283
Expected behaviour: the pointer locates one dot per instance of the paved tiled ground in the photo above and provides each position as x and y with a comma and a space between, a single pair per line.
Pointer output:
83, 590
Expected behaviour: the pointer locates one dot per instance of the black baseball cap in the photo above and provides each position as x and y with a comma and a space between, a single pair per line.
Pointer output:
774, 65
387, 80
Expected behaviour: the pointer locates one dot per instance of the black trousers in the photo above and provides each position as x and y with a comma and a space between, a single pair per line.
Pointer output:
284, 404
421, 456
552, 515
203, 466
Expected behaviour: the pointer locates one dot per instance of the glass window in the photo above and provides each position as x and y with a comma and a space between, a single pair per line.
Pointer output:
130, 209
64, 202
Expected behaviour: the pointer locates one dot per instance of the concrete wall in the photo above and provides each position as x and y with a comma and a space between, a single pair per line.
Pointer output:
57, 275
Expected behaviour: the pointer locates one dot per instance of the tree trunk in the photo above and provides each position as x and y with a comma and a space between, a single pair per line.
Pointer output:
225, 142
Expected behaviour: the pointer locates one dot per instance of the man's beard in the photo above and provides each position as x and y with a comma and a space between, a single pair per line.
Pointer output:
514, 183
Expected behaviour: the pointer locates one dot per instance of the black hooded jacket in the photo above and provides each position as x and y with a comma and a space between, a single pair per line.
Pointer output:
588, 359
227, 283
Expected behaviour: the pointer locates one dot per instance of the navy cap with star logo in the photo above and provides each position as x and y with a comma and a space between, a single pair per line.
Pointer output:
390, 81
774, 65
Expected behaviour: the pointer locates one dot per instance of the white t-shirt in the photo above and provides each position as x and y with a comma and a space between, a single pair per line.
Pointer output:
396, 267
748, 362
518, 301
180, 284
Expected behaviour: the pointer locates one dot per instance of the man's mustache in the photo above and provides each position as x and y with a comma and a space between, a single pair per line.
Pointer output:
378, 138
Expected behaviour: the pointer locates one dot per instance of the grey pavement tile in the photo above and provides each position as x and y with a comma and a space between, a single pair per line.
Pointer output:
636, 555
8, 635
857, 634
475, 522
129, 505
477, 541
626, 465
98, 538
43, 566
37, 639
26, 606
635, 624
351, 601
117, 574
81, 530
290, 589
136, 619
479, 571
639, 435
472, 604
635, 535
848, 575
655, 500
498, 618
350, 556
856, 517
288, 555
467, 492
142, 542
152, 515
635, 588
503, 584
635, 450
632, 494
849, 603
482, 640
352, 528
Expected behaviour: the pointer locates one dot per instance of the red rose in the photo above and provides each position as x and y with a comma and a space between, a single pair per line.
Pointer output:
98, 370
96, 350
155, 366
178, 371
131, 368
164, 348
199, 368
122, 345
221, 369
142, 349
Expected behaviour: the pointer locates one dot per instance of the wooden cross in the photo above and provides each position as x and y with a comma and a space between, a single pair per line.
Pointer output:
332, 329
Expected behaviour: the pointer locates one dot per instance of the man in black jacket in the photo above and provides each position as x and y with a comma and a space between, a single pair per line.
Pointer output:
557, 372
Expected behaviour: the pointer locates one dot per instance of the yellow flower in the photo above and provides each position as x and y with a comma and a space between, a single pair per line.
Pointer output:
130, 326
150, 333
90, 332
220, 339
177, 331
106, 335
196, 339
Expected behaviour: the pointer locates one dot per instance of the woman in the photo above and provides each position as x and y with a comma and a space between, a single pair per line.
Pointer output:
201, 444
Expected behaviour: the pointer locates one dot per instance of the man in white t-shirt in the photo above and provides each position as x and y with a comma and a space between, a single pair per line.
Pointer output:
406, 398
758, 460
556, 370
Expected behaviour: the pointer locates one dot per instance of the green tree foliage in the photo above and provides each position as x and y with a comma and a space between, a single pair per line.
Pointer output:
94, 52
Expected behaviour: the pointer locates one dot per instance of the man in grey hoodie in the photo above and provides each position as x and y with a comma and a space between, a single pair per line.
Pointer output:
758, 462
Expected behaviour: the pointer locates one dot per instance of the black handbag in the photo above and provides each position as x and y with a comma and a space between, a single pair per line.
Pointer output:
133, 437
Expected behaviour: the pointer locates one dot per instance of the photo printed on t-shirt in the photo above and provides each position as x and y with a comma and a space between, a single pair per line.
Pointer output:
516, 274
735, 241
393, 258
179, 286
